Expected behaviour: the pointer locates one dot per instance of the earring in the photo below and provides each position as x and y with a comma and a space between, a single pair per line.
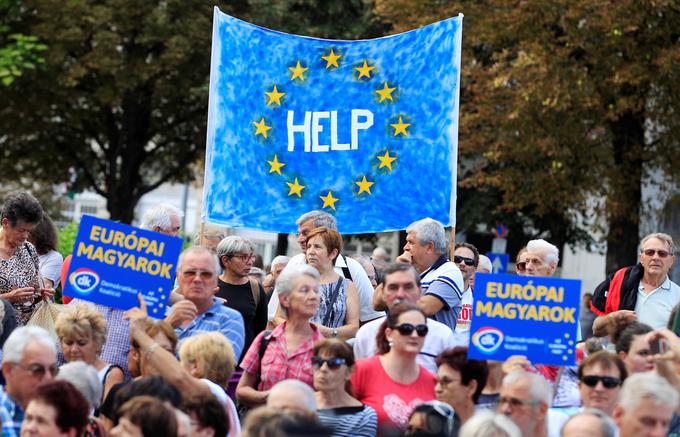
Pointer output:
390, 343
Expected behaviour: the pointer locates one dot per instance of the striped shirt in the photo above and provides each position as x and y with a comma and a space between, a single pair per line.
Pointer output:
444, 281
350, 421
11, 415
220, 318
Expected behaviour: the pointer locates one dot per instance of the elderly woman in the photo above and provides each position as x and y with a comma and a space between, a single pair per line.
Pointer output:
57, 409
85, 378
206, 362
44, 238
286, 352
337, 409
338, 314
392, 382
146, 416
82, 332
20, 281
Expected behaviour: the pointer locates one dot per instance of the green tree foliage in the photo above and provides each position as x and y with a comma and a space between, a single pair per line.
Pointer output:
567, 108
123, 98
18, 52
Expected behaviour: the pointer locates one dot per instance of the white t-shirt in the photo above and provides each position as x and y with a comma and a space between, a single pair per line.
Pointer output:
221, 395
50, 266
359, 278
462, 333
439, 338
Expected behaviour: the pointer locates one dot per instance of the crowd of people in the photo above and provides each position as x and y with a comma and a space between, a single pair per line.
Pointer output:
323, 344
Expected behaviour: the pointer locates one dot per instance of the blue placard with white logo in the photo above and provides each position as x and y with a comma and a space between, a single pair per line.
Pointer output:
499, 262
113, 262
525, 315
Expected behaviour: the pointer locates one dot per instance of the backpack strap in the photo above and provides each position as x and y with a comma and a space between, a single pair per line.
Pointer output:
345, 270
255, 289
266, 338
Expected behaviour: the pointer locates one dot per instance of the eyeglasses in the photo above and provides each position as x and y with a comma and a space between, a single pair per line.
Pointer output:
39, 371
521, 266
245, 257
408, 328
332, 363
607, 381
462, 259
516, 403
204, 274
446, 381
661, 253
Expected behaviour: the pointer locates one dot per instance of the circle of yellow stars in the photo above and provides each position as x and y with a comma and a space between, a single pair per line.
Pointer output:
364, 71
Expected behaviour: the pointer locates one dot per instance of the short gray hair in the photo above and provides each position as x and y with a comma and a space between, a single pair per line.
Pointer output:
484, 264
489, 424
660, 236
159, 215
281, 259
198, 249
304, 392
84, 378
551, 252
539, 389
607, 425
286, 280
18, 340
429, 230
318, 218
647, 385
233, 244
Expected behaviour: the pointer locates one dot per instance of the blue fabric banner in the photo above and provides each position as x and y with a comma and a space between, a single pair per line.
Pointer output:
525, 315
113, 262
365, 130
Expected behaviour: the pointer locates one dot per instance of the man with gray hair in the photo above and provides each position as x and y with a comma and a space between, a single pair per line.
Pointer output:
344, 266
525, 398
291, 394
29, 357
441, 280
643, 292
163, 218
541, 258
278, 264
589, 422
646, 406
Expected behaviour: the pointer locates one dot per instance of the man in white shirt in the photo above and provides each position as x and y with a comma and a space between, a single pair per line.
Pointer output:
402, 284
344, 266
466, 257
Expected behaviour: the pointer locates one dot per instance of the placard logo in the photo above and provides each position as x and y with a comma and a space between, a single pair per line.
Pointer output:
84, 281
488, 339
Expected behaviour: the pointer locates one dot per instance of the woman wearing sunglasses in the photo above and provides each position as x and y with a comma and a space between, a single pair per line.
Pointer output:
392, 382
333, 363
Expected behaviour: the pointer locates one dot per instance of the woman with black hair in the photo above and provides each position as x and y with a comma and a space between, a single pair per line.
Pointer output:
45, 238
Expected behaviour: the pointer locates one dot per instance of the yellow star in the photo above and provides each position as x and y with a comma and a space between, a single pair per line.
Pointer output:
386, 160
331, 60
274, 96
295, 188
385, 93
400, 128
364, 186
298, 71
262, 128
365, 70
329, 200
275, 165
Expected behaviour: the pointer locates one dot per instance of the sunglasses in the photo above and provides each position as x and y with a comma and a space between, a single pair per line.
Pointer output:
461, 259
661, 253
332, 363
607, 381
521, 266
407, 329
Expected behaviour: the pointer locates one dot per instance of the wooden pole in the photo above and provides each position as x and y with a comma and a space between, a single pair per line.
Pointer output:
452, 246
201, 233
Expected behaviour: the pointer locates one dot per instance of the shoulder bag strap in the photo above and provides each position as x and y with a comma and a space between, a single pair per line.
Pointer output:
331, 302
255, 289
266, 338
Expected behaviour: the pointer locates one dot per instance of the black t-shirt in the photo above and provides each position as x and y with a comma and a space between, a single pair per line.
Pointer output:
240, 298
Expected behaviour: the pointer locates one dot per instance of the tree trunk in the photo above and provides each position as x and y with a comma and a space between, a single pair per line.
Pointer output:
625, 183
121, 206
281, 244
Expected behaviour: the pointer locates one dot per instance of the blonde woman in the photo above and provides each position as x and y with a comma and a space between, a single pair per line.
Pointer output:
82, 332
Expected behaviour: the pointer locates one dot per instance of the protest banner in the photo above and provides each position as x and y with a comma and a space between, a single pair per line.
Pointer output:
365, 130
113, 262
525, 315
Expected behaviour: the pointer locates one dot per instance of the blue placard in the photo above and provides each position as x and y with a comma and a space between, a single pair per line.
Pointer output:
300, 124
499, 262
525, 315
113, 262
